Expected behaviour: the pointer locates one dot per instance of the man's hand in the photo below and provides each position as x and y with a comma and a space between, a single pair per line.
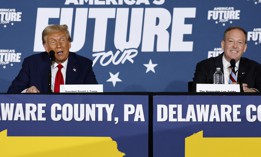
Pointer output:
246, 89
32, 89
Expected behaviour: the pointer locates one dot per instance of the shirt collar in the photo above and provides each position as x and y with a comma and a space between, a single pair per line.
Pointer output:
226, 64
64, 64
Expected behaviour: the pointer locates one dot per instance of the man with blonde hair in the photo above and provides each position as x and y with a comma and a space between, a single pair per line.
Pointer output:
39, 72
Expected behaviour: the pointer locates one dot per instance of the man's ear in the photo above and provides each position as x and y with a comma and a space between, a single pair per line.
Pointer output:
222, 44
45, 47
245, 48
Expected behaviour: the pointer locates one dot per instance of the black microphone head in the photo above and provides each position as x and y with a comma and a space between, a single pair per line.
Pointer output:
232, 63
51, 55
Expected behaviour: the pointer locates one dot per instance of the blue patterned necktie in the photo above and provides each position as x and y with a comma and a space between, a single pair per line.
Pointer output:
232, 76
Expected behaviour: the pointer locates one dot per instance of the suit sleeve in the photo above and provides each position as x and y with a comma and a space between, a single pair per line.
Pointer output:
258, 79
21, 81
200, 75
90, 77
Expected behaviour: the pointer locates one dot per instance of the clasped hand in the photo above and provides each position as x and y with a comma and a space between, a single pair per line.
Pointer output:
32, 89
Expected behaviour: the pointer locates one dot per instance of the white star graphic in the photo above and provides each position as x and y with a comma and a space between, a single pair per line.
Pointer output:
150, 66
114, 78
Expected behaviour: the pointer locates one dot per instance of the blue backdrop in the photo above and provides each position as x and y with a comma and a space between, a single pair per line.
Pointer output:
141, 45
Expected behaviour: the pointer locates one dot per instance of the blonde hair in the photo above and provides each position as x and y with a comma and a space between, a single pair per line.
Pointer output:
55, 28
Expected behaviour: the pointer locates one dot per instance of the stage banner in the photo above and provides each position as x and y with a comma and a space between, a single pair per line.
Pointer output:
74, 125
135, 45
206, 125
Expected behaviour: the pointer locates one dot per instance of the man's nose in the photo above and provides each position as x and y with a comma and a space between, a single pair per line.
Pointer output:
58, 44
235, 45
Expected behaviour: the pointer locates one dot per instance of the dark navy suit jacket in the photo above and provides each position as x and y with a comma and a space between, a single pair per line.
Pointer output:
36, 68
248, 72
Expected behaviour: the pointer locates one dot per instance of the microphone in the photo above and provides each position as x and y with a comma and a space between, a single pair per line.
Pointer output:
51, 55
232, 63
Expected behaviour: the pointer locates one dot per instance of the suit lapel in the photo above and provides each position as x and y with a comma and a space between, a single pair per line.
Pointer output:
44, 73
219, 62
242, 67
71, 72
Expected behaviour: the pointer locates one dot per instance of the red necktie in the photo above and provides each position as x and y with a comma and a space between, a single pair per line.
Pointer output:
58, 79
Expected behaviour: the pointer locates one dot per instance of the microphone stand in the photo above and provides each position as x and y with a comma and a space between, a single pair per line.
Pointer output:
240, 76
241, 80
50, 80
51, 55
